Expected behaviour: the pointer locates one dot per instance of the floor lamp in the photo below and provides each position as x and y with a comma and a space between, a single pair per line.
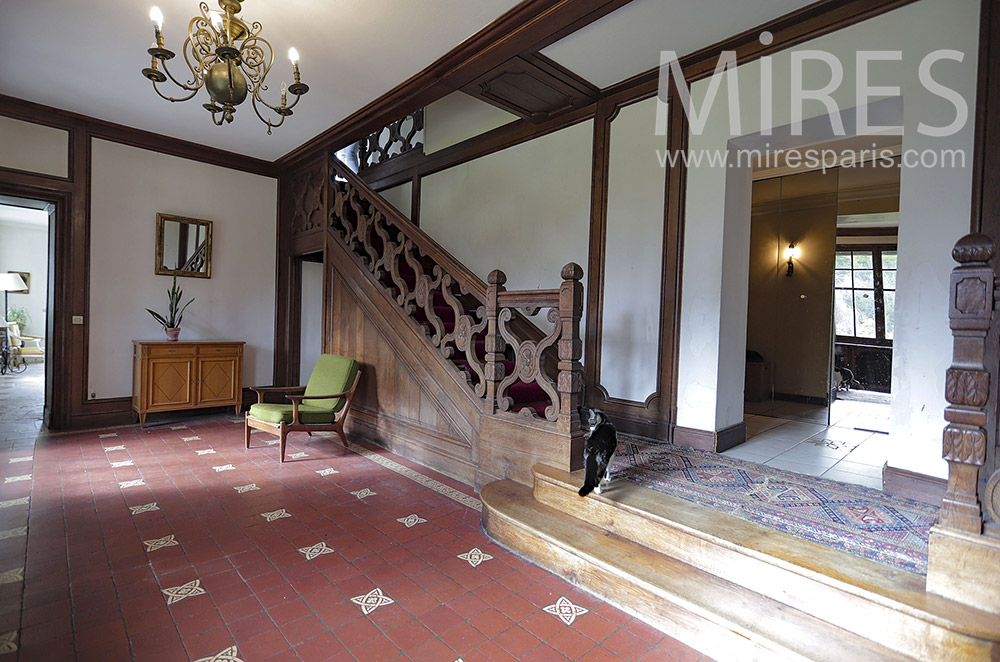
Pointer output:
8, 283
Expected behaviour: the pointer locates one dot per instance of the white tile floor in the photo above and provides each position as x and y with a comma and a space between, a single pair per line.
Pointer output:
852, 449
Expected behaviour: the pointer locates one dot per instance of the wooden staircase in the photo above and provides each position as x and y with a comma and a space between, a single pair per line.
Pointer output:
727, 587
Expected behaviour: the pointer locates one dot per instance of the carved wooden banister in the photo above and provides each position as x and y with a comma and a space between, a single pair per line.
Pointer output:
967, 384
482, 329
397, 138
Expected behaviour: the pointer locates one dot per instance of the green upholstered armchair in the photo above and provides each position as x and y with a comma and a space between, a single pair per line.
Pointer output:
323, 404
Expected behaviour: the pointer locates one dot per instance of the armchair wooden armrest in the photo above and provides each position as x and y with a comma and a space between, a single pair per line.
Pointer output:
349, 394
261, 390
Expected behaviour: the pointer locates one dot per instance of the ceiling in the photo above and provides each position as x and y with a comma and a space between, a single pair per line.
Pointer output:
628, 41
86, 57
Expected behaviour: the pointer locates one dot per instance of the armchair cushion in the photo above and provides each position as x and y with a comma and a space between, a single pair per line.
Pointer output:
275, 413
332, 374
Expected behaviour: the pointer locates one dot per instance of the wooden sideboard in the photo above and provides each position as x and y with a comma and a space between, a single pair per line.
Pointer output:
170, 376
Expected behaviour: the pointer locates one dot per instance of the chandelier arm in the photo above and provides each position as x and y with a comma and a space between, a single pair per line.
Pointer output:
270, 124
192, 86
173, 99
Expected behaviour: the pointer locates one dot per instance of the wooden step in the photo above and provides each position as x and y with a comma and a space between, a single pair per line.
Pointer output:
872, 600
722, 619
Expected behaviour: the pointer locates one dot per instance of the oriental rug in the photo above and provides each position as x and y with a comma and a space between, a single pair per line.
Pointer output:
853, 518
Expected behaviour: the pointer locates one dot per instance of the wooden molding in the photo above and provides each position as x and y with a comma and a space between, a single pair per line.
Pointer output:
118, 133
913, 485
705, 440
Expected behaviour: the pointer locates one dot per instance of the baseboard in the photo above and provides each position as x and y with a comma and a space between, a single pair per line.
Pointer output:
913, 485
707, 440
109, 412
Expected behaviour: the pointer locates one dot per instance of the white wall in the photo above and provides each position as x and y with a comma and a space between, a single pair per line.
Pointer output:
26, 248
34, 147
525, 210
311, 329
128, 187
634, 255
400, 197
934, 213
458, 117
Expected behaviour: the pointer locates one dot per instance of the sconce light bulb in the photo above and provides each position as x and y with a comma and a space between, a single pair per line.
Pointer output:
792, 252
293, 55
156, 16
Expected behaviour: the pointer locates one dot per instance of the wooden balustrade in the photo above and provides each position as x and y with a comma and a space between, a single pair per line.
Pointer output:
480, 328
967, 384
392, 140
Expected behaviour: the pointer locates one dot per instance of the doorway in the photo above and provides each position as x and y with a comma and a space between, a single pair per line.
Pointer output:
24, 261
821, 320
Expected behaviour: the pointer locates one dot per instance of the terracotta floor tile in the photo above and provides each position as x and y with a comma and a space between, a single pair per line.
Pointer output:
378, 649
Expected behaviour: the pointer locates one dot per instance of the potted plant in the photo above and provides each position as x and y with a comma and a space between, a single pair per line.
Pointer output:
175, 312
19, 316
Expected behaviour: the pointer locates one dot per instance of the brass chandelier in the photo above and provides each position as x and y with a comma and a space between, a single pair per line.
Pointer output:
228, 58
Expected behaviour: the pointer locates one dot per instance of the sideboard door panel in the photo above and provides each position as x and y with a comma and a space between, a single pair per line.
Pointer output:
217, 383
170, 383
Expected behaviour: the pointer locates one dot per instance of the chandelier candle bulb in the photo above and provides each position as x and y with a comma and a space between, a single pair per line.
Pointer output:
156, 16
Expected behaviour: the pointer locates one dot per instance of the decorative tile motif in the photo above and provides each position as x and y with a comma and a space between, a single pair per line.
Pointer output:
228, 655
361, 494
160, 543
224, 467
107, 435
206, 451
240, 489
475, 556
417, 477
178, 427
296, 456
372, 600
8, 642
14, 533
565, 610
190, 438
131, 483
12, 576
14, 460
123, 463
270, 442
411, 520
318, 549
178, 593
16, 479
275, 514
113, 448
23, 501
144, 508
329, 471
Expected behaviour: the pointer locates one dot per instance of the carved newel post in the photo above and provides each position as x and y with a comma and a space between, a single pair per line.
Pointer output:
495, 344
967, 384
570, 383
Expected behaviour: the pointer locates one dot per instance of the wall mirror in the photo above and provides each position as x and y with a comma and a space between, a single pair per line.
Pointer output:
183, 246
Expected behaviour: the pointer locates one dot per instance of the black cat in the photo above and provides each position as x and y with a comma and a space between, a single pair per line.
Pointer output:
602, 439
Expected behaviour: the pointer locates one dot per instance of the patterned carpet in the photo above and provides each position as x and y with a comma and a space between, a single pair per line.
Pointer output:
852, 518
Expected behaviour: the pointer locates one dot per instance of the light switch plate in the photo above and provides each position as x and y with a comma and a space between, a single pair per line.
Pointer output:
77, 319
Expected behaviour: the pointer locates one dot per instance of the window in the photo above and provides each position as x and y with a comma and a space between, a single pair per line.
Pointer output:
865, 294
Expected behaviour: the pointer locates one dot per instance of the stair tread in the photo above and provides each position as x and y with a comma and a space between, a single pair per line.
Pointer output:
878, 582
749, 614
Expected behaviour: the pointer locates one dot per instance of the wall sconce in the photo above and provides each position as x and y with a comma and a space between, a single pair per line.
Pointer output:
792, 253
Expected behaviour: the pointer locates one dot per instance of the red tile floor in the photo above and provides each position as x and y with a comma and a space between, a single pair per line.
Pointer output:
175, 543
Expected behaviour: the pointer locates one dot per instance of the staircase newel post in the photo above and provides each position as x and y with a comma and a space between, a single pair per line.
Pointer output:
570, 384
495, 344
967, 384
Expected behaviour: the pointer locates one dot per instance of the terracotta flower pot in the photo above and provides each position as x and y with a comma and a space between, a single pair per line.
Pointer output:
172, 333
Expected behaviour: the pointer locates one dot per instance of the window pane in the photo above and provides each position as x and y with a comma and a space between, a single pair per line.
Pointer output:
863, 260
843, 312
890, 313
864, 278
889, 280
843, 260
864, 314
889, 260
842, 278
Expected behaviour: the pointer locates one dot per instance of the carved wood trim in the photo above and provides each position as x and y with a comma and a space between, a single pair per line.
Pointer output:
391, 141
967, 382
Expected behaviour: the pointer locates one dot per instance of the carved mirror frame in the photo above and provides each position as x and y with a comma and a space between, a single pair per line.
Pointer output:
161, 269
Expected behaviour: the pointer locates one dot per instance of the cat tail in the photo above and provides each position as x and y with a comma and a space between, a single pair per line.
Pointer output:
591, 480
